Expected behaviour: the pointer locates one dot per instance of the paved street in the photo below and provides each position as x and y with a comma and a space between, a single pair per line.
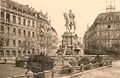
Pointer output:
7, 70
109, 72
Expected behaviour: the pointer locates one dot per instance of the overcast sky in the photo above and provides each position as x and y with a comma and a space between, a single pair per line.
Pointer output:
85, 11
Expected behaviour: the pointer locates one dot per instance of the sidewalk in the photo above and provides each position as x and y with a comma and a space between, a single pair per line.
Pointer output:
108, 72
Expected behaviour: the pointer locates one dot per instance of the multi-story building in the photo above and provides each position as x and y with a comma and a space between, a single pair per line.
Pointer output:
20, 27
104, 34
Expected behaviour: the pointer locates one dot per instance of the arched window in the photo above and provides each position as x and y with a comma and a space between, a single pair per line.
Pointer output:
14, 53
24, 22
19, 10
33, 51
14, 8
24, 53
19, 20
19, 53
14, 19
19, 43
2, 15
2, 53
7, 17
8, 53
28, 52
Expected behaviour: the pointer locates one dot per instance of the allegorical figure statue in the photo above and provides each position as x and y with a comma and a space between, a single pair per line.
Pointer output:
70, 22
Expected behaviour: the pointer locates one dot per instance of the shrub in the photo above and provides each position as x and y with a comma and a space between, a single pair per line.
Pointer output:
39, 63
66, 70
84, 61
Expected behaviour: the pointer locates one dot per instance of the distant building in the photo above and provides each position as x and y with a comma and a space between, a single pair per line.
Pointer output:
23, 31
104, 34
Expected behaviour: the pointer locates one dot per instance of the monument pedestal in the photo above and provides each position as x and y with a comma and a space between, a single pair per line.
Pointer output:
71, 41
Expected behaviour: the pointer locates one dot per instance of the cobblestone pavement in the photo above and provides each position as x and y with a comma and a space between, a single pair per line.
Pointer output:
7, 70
109, 72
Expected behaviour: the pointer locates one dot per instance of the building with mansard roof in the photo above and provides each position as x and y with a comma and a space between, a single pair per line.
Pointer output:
23, 31
104, 34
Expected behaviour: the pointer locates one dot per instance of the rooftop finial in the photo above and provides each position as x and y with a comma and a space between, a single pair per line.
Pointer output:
110, 5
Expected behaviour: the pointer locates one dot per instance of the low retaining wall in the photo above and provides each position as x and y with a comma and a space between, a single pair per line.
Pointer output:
56, 73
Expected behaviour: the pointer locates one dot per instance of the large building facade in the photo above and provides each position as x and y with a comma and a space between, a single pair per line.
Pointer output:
104, 35
23, 31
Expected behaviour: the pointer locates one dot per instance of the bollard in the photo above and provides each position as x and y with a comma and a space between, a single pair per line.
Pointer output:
82, 68
48, 74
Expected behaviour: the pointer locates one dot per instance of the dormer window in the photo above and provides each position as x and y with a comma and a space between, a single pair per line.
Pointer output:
14, 8
24, 11
19, 10
9, 6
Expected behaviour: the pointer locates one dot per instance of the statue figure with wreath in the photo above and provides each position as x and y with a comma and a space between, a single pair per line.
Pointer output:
70, 22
